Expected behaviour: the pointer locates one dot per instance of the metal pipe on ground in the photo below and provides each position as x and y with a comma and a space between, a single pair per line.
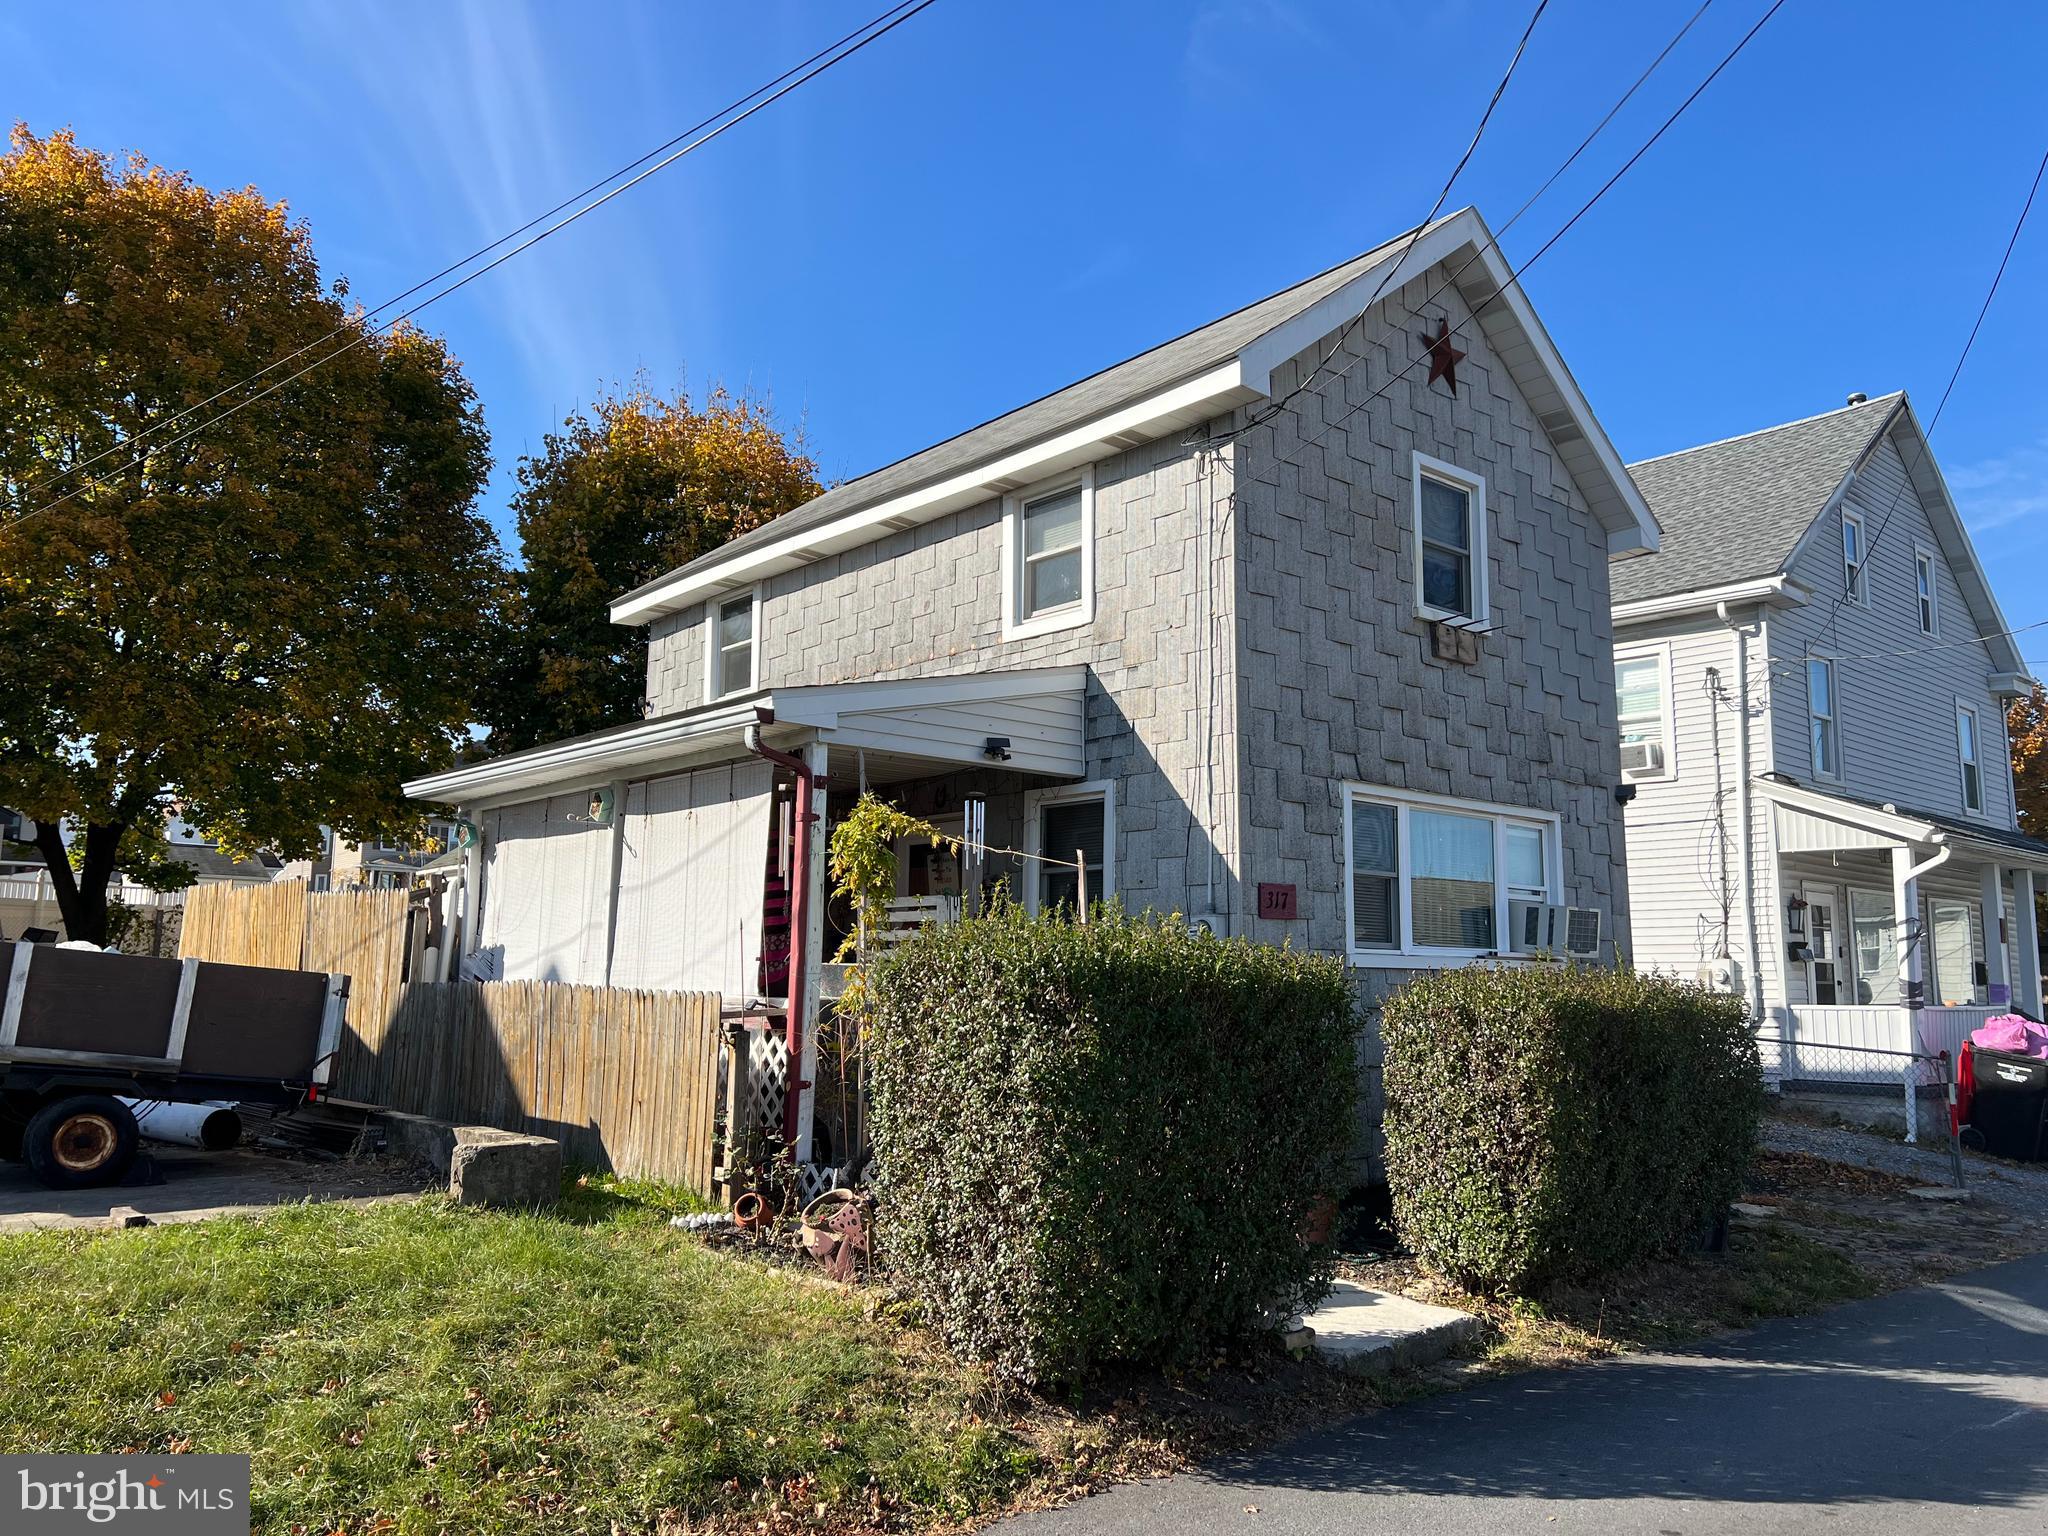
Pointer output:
213, 1126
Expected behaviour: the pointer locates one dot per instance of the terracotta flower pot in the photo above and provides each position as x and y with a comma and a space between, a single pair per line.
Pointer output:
1320, 1222
750, 1211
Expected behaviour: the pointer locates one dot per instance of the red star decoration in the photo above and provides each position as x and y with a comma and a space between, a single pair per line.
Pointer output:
1443, 357
155, 1482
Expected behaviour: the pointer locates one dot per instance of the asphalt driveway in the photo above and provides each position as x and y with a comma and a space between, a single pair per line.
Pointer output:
1922, 1411
185, 1184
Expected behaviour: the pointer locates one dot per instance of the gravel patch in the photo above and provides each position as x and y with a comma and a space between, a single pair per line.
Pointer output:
2018, 1187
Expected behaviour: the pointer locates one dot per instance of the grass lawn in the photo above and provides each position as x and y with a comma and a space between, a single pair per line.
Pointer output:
419, 1367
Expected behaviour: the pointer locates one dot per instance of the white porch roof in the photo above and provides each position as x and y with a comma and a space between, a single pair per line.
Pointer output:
1808, 820
938, 721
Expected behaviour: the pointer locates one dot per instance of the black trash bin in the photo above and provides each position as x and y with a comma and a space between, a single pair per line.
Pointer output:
2009, 1104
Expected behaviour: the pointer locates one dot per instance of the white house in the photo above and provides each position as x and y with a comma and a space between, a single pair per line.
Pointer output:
1813, 674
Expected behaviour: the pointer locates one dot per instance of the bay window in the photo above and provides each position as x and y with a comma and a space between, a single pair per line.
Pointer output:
1430, 878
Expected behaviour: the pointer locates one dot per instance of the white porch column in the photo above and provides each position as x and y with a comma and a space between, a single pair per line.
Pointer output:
1991, 889
805, 1070
2026, 943
1906, 925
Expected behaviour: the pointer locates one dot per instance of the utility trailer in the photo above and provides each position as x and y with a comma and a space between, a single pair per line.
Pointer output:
82, 1029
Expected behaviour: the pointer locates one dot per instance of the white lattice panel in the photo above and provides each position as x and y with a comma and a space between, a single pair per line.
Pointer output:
767, 1079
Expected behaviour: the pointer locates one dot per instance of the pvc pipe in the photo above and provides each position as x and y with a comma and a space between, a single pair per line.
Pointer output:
213, 1126
1742, 827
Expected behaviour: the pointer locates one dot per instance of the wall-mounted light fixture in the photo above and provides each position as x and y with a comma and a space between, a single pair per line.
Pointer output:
996, 749
1795, 915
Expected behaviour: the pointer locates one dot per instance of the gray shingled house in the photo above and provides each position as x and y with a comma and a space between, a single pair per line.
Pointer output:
1296, 625
1813, 675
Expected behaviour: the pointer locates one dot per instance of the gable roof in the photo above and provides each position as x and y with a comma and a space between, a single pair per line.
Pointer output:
1199, 375
1735, 510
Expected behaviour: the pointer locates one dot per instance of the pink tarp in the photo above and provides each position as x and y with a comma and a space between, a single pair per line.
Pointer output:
2012, 1033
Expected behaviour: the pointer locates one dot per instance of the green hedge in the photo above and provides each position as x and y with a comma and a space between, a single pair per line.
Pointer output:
1098, 1143
1548, 1124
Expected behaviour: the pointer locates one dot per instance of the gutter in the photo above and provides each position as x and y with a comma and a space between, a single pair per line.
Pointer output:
799, 922
1742, 795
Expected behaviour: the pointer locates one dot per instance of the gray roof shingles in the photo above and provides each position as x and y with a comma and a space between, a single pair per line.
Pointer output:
1199, 350
1735, 510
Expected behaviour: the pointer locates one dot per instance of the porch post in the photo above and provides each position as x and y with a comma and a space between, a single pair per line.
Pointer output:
1905, 928
2027, 942
1991, 890
805, 1070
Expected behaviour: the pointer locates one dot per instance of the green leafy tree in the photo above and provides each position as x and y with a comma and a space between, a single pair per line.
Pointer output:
633, 487
267, 624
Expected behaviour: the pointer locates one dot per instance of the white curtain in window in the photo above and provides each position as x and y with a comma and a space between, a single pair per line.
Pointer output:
1451, 887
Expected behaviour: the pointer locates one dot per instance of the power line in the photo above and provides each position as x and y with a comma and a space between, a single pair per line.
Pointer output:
1337, 345
454, 266
788, 82
1916, 650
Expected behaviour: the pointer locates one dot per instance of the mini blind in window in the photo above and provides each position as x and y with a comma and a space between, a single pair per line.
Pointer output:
1066, 827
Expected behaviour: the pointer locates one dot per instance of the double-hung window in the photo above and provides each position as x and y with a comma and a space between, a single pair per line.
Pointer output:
1820, 714
1071, 829
731, 646
1923, 581
1642, 689
1966, 752
1853, 556
1431, 879
1049, 557
1450, 541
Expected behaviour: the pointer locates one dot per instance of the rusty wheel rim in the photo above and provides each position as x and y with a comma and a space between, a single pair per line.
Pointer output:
84, 1143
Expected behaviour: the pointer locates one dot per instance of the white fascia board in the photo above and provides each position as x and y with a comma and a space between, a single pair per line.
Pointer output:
1818, 802
586, 759
821, 704
1635, 530
1767, 591
2010, 685
1208, 394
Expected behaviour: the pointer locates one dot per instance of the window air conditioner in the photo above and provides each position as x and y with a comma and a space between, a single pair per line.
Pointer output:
1529, 927
1537, 927
1641, 758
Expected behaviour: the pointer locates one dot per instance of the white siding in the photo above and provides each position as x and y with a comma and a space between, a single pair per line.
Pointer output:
1897, 713
692, 866
547, 890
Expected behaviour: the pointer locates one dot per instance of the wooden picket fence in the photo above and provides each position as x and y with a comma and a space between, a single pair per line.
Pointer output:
625, 1080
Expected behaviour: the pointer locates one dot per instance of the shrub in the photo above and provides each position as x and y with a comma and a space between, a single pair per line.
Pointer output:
1099, 1142
1549, 1124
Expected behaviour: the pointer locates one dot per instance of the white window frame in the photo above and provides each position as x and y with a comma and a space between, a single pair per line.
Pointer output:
1927, 606
1407, 955
1035, 802
1074, 615
1855, 573
1661, 650
1976, 759
714, 654
1474, 485
1833, 717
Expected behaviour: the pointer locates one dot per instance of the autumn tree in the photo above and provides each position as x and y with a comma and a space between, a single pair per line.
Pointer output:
266, 624
633, 487
2026, 723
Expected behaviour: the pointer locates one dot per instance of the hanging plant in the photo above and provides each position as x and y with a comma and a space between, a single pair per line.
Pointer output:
862, 864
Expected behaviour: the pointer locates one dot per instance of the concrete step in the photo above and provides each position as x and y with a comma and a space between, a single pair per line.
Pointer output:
1370, 1333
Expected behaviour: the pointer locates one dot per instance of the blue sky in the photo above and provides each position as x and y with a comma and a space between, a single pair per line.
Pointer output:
995, 200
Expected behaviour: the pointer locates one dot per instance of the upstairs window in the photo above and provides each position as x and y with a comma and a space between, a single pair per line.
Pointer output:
1966, 751
1820, 712
1923, 579
1049, 558
1853, 555
1642, 691
732, 645
1450, 541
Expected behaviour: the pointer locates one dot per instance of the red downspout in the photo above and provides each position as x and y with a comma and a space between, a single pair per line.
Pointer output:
799, 922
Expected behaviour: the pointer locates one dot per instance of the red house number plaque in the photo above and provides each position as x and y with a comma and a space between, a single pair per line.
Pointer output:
1277, 902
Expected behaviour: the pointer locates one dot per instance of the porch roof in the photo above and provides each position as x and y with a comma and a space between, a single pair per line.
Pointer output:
1810, 820
938, 720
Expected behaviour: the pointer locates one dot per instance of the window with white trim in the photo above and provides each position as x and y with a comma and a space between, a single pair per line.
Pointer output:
1450, 541
1820, 715
1642, 692
732, 645
1854, 554
1923, 582
1049, 556
1966, 754
1431, 878
1074, 825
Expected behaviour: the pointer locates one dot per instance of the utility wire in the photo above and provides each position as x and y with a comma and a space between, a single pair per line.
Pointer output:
790, 81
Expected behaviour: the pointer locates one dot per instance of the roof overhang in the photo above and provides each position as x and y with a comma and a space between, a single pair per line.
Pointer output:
1485, 282
1763, 592
1038, 712
1809, 820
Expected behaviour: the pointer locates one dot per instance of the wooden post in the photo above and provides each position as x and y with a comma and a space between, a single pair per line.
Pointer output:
1081, 883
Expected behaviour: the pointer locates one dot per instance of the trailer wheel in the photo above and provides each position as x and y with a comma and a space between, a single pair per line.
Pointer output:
80, 1142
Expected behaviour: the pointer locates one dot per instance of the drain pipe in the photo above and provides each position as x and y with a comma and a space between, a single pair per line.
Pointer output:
1742, 833
799, 921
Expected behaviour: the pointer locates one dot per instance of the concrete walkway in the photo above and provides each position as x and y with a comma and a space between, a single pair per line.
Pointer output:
1923, 1411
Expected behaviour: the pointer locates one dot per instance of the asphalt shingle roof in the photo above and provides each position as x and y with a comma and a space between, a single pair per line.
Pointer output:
1735, 510
1184, 357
